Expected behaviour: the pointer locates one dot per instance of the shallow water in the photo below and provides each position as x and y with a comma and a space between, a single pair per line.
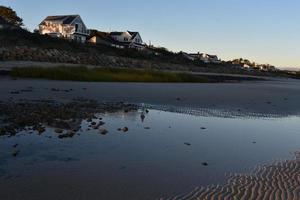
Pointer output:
167, 158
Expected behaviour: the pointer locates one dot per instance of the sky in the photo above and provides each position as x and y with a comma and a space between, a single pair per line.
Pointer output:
264, 31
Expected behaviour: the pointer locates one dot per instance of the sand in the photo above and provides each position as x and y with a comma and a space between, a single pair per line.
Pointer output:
280, 181
273, 97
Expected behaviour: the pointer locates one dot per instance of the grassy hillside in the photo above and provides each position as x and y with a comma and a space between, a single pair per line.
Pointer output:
117, 75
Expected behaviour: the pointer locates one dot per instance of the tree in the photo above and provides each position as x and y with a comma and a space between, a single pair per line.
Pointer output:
10, 16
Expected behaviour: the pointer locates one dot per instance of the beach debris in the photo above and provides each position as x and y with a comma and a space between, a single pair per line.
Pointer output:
14, 92
15, 152
96, 126
203, 128
187, 144
69, 134
205, 164
147, 128
125, 129
58, 130
55, 89
40, 129
103, 131
66, 116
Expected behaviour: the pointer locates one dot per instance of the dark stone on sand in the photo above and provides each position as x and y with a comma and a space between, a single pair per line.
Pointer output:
15, 152
103, 131
205, 164
69, 134
125, 129
147, 128
203, 128
187, 144
58, 130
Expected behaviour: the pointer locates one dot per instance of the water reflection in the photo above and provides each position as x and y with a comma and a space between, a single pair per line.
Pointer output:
224, 113
161, 153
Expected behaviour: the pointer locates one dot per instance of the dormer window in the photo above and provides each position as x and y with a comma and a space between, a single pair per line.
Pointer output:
76, 27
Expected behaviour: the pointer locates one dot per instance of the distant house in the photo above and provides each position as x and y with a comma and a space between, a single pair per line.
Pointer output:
104, 38
128, 39
120, 40
206, 58
67, 26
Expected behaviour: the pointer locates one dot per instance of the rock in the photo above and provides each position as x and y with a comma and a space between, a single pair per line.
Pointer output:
40, 129
125, 129
188, 144
58, 130
69, 134
93, 123
203, 128
147, 111
205, 164
15, 145
15, 152
103, 131
15, 92
147, 128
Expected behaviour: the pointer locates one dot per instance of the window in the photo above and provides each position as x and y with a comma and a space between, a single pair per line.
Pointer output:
76, 27
125, 39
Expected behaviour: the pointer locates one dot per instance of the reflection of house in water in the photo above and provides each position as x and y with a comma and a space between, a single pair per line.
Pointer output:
66, 26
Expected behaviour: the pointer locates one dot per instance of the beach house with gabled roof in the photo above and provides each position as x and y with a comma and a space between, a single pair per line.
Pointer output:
129, 39
66, 26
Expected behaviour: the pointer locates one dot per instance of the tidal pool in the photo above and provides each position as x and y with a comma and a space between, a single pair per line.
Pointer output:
165, 154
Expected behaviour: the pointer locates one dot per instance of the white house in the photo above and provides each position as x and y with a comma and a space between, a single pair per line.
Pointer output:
206, 58
128, 39
66, 26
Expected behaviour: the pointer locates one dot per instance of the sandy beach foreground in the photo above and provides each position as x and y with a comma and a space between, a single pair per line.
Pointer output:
86, 157
277, 182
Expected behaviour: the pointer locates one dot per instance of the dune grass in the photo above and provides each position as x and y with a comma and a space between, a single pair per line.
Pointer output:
105, 75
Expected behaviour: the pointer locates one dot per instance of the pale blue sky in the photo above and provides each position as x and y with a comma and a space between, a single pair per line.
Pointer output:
266, 31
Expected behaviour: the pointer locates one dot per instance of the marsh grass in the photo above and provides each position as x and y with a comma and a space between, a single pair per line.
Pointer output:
106, 75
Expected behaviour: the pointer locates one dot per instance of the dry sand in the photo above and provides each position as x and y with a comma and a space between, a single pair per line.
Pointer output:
280, 181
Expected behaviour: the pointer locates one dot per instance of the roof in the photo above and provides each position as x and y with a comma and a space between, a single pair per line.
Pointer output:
133, 34
116, 33
64, 19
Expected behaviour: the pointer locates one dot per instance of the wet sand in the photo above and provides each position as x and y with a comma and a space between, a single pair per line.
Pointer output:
276, 182
276, 96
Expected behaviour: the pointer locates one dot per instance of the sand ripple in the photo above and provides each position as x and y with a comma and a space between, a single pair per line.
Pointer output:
280, 181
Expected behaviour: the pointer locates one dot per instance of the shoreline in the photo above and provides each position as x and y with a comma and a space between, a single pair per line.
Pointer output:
276, 97
275, 181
